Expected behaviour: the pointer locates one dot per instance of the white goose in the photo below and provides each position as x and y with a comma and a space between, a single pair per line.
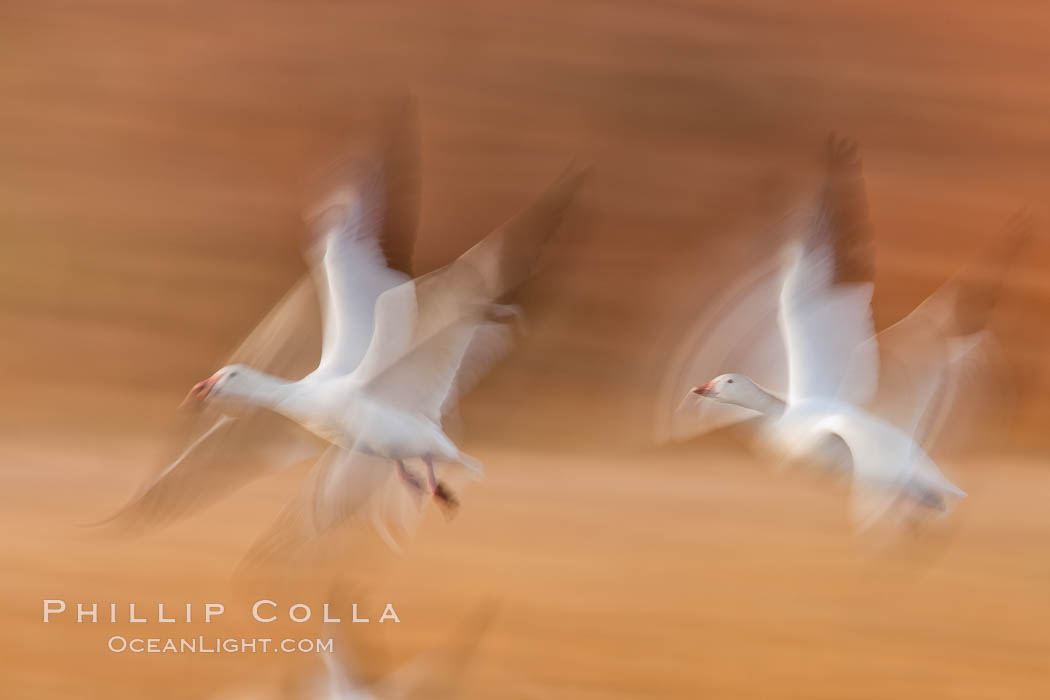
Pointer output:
363, 230
846, 406
434, 337
373, 396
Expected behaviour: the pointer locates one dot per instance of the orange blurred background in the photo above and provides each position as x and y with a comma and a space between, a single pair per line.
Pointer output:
153, 158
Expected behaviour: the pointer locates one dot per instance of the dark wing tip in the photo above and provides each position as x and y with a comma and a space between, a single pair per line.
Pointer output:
383, 166
402, 182
842, 216
119, 522
526, 234
134, 519
156, 508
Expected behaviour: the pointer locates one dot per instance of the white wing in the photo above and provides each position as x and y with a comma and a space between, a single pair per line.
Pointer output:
367, 217
233, 452
224, 453
350, 269
287, 342
938, 369
943, 346
825, 332
825, 303
424, 330
747, 329
425, 327
213, 454
737, 332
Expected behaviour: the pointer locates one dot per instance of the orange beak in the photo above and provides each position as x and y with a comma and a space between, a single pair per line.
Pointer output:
703, 389
200, 392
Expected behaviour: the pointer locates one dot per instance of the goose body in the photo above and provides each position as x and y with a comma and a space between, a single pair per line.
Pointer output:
396, 354
340, 411
853, 401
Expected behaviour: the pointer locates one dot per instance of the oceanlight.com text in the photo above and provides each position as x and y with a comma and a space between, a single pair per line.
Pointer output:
118, 644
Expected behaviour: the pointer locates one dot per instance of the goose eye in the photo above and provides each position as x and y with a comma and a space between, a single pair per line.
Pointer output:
729, 381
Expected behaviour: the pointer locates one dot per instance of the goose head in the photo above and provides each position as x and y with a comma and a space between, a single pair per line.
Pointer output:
231, 386
736, 389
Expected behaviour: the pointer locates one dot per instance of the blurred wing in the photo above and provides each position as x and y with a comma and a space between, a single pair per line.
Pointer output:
439, 674
928, 354
368, 198
913, 367
287, 342
976, 395
367, 218
402, 183
230, 454
742, 331
365, 226
350, 270
737, 333
870, 504
223, 453
218, 454
360, 655
425, 327
489, 343
435, 373
345, 488
825, 303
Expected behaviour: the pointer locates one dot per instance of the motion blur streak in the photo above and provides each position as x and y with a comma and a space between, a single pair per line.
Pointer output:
152, 161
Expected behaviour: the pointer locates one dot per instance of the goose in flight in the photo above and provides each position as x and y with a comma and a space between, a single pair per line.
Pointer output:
851, 400
362, 231
434, 337
396, 355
